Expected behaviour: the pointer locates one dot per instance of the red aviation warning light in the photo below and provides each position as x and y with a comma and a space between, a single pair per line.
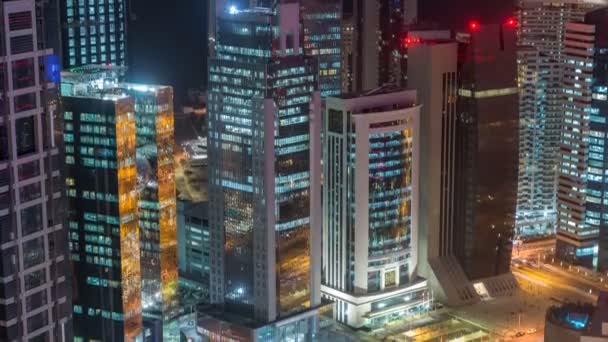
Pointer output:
409, 41
473, 25
511, 22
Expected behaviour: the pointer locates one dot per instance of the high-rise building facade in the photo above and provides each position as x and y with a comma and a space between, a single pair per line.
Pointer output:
540, 56
214, 9
370, 206
487, 106
433, 69
34, 296
598, 125
156, 200
432, 65
581, 194
346, 51
157, 197
322, 34
101, 179
377, 25
92, 32
193, 243
264, 169
391, 23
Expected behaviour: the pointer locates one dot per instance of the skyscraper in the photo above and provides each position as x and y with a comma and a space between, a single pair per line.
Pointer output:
92, 32
213, 8
489, 123
370, 206
156, 202
157, 205
540, 55
34, 296
264, 136
101, 179
377, 32
346, 51
581, 206
391, 23
321, 24
468, 92
599, 126
432, 66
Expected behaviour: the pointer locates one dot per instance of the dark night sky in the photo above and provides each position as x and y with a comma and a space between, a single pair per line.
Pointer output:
168, 44
456, 13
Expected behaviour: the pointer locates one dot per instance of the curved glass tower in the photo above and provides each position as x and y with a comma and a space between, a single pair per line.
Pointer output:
370, 205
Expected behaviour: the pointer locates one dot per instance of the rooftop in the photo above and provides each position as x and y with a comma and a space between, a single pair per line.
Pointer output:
382, 99
575, 2
247, 13
101, 81
211, 314
382, 90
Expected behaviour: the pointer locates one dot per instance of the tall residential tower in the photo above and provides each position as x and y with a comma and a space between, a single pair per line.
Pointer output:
542, 27
35, 302
582, 198
598, 123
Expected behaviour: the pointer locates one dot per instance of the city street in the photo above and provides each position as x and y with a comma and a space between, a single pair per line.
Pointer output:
532, 249
536, 263
505, 317
557, 285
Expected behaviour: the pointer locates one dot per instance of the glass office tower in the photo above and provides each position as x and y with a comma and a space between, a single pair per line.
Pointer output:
157, 199
35, 303
101, 179
264, 174
488, 150
321, 23
92, 32
157, 212
374, 37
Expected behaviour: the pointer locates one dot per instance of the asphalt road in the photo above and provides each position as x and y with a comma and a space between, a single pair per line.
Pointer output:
558, 285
